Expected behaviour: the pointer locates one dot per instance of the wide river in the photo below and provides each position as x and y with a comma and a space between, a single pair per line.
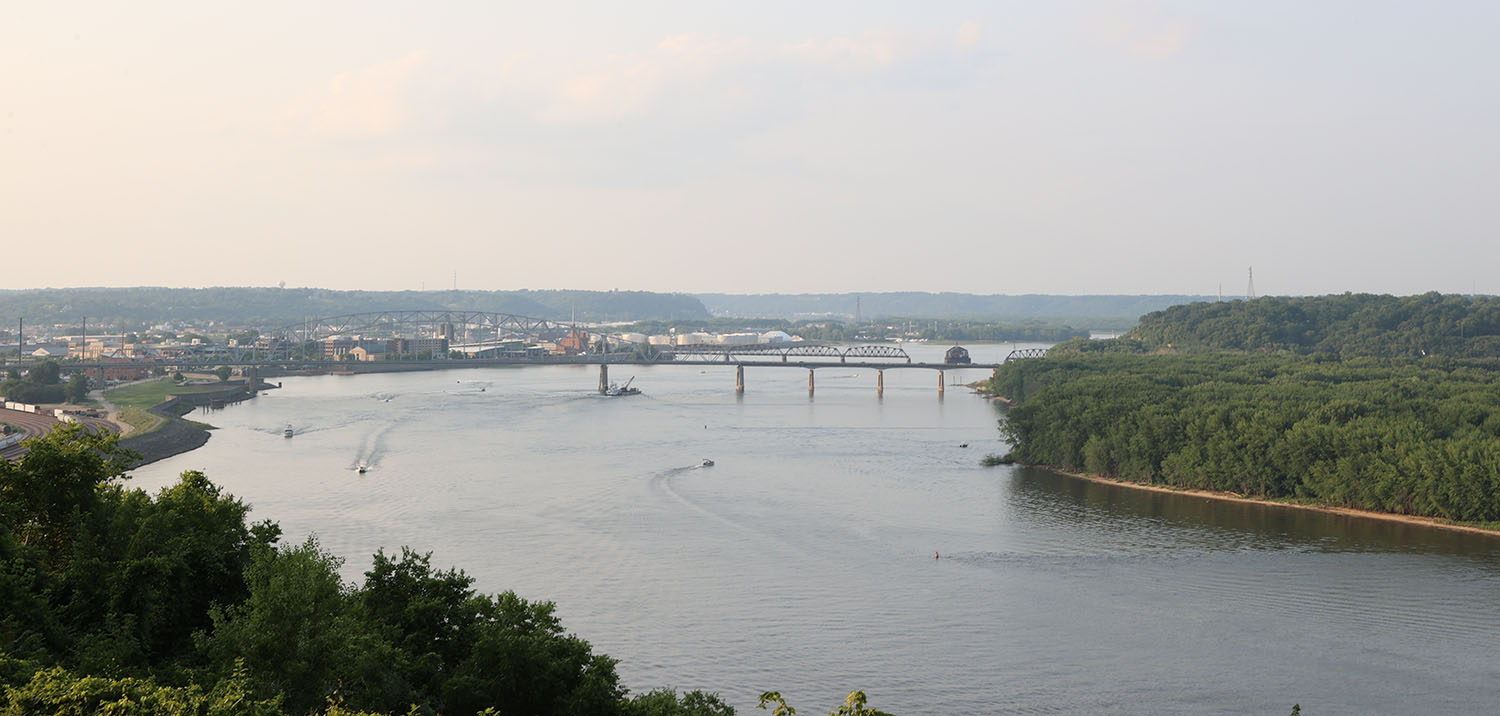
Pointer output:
803, 560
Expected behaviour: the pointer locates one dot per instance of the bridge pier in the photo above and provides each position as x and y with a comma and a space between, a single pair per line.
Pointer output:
809, 381
603, 378
739, 379
879, 383
940, 383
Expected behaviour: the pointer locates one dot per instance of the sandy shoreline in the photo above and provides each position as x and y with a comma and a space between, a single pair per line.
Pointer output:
1231, 497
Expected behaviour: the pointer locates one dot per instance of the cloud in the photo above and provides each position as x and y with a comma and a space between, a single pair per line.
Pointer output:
1142, 31
623, 86
967, 35
373, 101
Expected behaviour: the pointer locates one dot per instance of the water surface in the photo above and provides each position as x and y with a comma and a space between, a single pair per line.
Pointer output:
803, 560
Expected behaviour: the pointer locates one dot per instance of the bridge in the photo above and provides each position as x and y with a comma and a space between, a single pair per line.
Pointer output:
428, 339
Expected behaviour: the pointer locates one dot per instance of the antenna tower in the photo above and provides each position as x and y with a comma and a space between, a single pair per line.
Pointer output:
1250, 287
857, 317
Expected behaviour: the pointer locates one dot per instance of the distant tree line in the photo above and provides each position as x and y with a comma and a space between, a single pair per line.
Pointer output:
1099, 312
884, 330
1347, 325
275, 307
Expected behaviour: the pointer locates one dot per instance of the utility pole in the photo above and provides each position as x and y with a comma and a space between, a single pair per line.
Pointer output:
20, 340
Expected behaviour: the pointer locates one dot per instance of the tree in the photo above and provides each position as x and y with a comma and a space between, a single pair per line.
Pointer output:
78, 388
61, 472
666, 702
46, 372
223, 372
294, 632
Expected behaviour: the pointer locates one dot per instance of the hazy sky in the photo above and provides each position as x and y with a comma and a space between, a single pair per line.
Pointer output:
989, 147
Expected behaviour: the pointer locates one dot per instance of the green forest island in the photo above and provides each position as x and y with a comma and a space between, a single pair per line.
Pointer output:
1369, 402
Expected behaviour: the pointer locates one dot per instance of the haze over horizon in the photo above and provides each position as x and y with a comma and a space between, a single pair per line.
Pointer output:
1077, 148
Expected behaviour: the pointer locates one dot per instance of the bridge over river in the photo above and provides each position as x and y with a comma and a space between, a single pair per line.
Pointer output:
473, 339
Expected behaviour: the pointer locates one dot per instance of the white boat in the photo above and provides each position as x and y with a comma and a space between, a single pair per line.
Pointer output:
706, 463
362, 468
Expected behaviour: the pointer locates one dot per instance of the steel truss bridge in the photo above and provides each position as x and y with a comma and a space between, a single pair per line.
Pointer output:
1024, 353
789, 352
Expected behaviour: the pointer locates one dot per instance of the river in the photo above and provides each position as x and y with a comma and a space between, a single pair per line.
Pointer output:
803, 561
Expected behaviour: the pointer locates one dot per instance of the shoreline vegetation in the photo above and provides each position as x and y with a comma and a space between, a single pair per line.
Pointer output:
1418, 520
1362, 405
120, 601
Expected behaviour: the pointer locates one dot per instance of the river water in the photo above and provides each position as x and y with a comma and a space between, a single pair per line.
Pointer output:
803, 560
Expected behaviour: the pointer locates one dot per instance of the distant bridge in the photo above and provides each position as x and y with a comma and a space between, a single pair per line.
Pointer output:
487, 338
1024, 353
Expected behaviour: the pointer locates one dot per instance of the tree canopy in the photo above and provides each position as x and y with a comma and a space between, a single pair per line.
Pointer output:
113, 600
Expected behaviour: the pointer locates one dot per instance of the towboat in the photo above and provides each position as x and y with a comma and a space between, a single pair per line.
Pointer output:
615, 390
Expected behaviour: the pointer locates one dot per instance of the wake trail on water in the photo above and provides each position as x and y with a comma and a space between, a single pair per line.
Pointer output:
373, 447
662, 482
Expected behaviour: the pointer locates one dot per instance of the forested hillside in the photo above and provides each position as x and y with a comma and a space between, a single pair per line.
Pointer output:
271, 307
1103, 312
1345, 325
1362, 401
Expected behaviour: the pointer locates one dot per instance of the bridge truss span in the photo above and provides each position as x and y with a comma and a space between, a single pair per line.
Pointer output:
1024, 353
789, 353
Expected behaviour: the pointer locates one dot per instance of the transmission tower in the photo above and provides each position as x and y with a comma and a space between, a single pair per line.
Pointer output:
1250, 287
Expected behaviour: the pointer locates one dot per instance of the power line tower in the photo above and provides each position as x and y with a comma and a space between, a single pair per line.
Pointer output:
1250, 287
858, 319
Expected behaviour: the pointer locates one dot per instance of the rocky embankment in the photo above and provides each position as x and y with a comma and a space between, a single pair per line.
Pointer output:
177, 436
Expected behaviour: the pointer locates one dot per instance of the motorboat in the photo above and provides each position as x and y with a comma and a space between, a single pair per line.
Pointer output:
287, 432
706, 463
362, 468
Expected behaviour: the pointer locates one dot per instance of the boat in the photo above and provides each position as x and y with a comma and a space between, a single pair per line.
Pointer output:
362, 468
287, 432
706, 463
615, 390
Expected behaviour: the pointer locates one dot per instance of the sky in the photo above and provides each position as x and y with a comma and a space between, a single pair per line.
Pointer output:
753, 147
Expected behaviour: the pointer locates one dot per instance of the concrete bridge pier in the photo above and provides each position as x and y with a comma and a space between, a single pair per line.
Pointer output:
809, 381
603, 379
879, 383
739, 379
940, 382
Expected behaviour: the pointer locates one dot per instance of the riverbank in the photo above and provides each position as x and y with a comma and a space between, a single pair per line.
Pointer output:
1232, 497
174, 435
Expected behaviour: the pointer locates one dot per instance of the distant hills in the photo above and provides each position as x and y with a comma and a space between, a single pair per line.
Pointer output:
282, 306
1345, 326
1082, 311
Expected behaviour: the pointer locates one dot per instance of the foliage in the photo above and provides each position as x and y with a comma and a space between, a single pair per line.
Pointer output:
223, 372
1104, 312
667, 702
855, 704
275, 307
77, 389
1345, 326
1407, 437
40, 384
